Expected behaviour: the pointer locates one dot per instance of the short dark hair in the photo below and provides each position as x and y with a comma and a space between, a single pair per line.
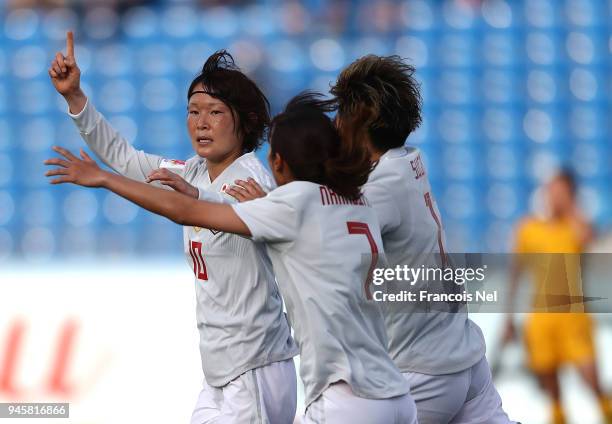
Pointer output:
222, 79
308, 141
380, 94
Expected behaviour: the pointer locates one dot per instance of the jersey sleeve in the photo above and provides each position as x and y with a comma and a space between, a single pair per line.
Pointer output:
215, 197
384, 205
111, 147
521, 238
270, 219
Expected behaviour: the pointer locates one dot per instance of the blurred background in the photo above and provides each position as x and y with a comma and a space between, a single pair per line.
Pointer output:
512, 90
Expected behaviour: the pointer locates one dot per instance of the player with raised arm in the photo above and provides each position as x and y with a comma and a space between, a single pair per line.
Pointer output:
323, 239
245, 340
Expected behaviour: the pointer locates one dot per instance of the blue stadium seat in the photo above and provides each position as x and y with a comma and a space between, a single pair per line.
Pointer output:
511, 90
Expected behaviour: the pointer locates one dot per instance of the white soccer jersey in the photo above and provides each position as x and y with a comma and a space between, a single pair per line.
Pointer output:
433, 342
239, 310
321, 247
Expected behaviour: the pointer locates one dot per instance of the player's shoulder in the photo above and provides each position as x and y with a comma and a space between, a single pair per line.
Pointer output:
249, 165
180, 166
399, 171
401, 155
398, 163
178, 163
526, 231
298, 187
296, 192
528, 225
195, 162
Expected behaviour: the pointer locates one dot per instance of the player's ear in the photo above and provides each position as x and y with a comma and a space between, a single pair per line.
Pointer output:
277, 164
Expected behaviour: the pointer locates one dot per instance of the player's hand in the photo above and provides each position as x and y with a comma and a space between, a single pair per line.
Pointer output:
64, 71
84, 171
171, 179
246, 190
66, 76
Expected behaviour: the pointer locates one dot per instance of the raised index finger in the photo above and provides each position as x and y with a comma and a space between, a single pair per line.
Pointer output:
69, 44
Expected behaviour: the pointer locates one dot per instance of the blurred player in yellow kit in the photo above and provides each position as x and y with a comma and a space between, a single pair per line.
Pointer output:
559, 331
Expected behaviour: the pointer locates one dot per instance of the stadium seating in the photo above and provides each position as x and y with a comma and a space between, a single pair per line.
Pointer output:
511, 90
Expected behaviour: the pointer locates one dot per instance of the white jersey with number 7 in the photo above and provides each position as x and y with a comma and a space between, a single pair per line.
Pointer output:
425, 342
323, 248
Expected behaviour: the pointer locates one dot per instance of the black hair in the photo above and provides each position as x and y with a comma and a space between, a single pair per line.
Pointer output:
223, 80
380, 95
308, 141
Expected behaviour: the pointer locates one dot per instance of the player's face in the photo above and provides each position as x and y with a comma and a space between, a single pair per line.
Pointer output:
560, 198
212, 128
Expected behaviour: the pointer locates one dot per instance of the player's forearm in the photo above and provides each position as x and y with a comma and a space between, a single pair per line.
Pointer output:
76, 101
166, 203
177, 207
515, 275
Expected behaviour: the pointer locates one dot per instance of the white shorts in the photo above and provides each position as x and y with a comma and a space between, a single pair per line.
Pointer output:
338, 405
266, 395
465, 397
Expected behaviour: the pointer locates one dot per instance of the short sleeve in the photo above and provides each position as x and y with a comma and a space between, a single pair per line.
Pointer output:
384, 205
521, 238
270, 219
215, 197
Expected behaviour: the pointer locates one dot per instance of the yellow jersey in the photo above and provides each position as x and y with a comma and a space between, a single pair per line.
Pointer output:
551, 252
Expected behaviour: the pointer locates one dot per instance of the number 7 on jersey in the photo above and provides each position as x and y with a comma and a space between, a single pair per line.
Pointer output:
355, 227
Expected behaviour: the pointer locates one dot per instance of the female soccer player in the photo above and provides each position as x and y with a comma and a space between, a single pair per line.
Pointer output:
561, 333
245, 341
440, 353
323, 240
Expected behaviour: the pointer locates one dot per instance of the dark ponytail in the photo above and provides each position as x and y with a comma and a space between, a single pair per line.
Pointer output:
307, 140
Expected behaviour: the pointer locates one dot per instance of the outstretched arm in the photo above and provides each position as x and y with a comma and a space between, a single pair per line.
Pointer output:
175, 206
106, 142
